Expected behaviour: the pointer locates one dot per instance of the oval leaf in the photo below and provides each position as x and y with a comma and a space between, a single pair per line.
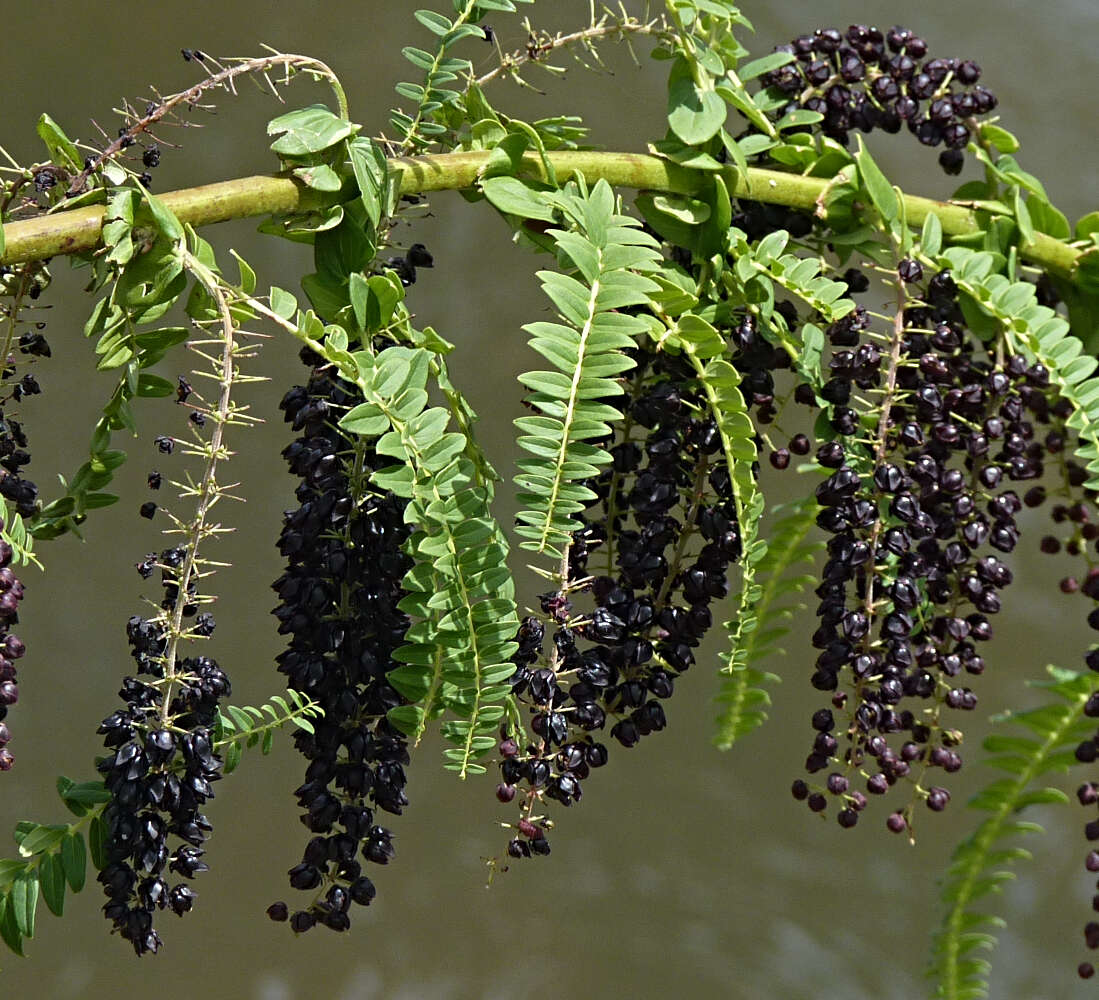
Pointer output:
308, 130
51, 876
74, 858
880, 190
24, 902
694, 115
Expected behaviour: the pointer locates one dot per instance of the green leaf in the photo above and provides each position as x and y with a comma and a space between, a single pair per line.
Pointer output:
1048, 219
975, 870
247, 275
24, 902
303, 723
358, 292
671, 229
164, 217
880, 190
97, 842
344, 249
797, 118
551, 484
369, 165
308, 130
365, 420
435, 23
1086, 225
735, 94
9, 931
61, 148
327, 297
691, 211
51, 877
385, 294
319, 176
783, 569
41, 838
282, 303
86, 793
242, 722
765, 64
1022, 216
753, 145
999, 138
694, 115
153, 385
511, 196
931, 238
74, 859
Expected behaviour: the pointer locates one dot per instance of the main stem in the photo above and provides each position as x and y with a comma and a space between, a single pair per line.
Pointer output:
80, 229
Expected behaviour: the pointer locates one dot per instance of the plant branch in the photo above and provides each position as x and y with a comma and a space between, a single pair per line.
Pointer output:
79, 230
159, 109
539, 47
208, 490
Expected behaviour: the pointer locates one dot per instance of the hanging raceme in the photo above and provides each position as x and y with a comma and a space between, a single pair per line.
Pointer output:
730, 314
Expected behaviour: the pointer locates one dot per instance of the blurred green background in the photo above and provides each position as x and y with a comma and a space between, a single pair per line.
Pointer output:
684, 870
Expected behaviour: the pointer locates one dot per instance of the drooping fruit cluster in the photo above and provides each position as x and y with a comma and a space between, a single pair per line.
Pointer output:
162, 761
1073, 530
19, 492
653, 553
867, 79
907, 593
159, 772
1088, 795
11, 646
338, 604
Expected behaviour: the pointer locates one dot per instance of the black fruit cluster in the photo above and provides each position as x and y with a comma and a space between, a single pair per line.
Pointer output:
161, 761
11, 646
868, 79
159, 772
1073, 530
20, 492
338, 605
16, 490
1088, 796
921, 511
651, 556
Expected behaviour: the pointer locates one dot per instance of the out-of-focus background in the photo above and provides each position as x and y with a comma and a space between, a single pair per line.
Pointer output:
684, 870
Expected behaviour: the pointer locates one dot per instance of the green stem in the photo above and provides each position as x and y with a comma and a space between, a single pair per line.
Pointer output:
599, 31
207, 491
79, 230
